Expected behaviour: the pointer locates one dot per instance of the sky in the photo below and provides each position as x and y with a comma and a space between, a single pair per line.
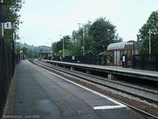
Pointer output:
45, 20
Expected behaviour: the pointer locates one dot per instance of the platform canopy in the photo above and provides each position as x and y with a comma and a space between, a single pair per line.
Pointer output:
123, 45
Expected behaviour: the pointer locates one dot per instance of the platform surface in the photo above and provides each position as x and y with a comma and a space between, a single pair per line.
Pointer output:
41, 94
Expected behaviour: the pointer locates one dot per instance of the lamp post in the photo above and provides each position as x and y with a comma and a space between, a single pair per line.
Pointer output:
150, 30
83, 51
63, 47
3, 16
21, 49
51, 46
47, 50
23, 42
150, 41
20, 52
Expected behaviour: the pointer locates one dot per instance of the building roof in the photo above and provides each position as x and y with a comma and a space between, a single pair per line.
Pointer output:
116, 46
120, 45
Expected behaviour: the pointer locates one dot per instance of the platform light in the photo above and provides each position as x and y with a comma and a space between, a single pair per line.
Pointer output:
3, 12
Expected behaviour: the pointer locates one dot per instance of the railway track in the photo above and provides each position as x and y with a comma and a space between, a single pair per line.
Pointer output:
150, 96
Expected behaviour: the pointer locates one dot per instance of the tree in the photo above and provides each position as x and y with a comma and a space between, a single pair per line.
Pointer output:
152, 23
72, 45
25, 52
87, 37
66, 41
81, 38
56, 48
102, 33
93, 37
14, 7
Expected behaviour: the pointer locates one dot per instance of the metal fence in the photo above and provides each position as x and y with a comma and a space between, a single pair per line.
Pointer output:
7, 65
145, 62
139, 61
87, 59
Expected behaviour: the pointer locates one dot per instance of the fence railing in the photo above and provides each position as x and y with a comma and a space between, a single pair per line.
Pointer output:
7, 65
139, 61
87, 59
145, 62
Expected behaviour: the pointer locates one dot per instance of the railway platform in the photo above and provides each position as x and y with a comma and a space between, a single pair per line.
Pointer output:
114, 71
41, 94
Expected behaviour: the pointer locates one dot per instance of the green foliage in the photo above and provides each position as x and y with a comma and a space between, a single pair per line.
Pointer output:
152, 23
17, 49
14, 7
95, 37
31, 54
102, 33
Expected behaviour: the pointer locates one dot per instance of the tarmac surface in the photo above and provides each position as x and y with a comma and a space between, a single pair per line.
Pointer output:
41, 94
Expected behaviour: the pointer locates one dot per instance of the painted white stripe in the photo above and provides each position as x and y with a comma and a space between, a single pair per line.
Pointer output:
114, 101
108, 107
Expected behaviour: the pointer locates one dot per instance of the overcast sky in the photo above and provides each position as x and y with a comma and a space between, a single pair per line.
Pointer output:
47, 19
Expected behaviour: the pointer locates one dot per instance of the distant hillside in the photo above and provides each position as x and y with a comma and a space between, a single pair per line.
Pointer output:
33, 48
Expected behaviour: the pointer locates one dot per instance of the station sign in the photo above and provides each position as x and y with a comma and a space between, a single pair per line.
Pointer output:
7, 25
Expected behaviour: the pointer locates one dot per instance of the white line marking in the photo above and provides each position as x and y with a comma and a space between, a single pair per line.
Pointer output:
108, 107
114, 101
